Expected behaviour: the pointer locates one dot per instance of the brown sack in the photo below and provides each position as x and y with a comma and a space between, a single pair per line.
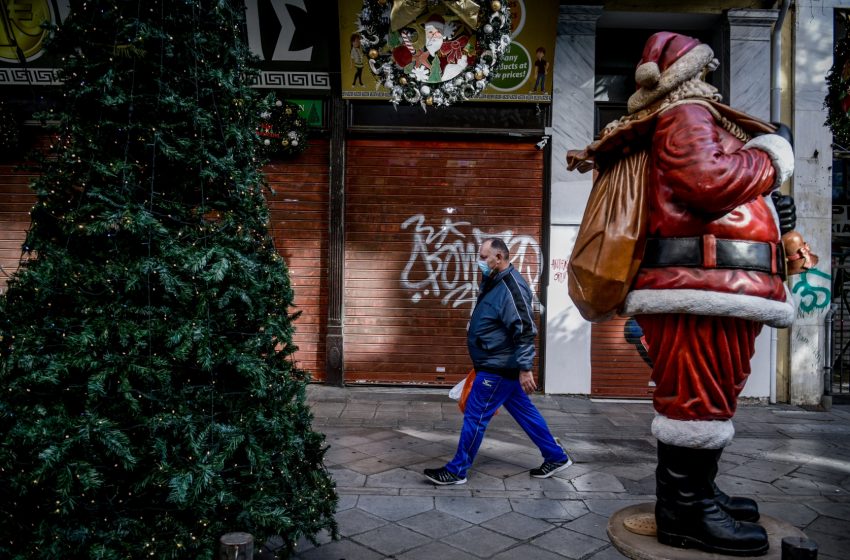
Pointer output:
612, 236
610, 243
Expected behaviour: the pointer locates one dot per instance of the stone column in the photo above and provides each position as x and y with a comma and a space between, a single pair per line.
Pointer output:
812, 189
749, 60
748, 74
334, 358
572, 102
567, 357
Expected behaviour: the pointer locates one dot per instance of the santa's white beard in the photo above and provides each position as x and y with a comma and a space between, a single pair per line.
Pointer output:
434, 45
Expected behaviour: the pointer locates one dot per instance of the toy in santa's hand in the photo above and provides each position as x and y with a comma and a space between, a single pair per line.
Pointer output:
682, 232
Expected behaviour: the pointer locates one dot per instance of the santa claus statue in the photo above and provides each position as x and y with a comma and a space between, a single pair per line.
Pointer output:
711, 274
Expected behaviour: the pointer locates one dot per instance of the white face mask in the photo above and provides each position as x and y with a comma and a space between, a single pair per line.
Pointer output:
482, 266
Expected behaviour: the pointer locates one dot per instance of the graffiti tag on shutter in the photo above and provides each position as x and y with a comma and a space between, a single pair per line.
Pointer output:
442, 262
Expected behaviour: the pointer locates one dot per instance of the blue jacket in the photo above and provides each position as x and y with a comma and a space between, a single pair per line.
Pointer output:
501, 332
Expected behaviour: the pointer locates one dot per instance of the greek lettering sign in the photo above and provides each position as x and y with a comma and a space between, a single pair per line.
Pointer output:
288, 36
841, 222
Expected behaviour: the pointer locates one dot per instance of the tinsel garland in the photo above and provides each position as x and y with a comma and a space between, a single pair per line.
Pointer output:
282, 131
491, 38
837, 99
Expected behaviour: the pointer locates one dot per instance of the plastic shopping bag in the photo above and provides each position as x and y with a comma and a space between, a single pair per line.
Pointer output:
456, 391
460, 392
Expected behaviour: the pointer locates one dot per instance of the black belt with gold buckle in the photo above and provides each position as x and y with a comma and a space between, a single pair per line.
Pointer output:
709, 252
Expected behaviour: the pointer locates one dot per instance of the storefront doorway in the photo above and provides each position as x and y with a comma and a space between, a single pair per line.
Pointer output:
416, 213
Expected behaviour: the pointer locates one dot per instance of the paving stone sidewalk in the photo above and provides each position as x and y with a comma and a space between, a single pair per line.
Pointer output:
796, 463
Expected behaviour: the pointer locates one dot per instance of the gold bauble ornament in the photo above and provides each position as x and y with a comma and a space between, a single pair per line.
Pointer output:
479, 75
288, 110
373, 53
496, 5
402, 81
285, 143
429, 101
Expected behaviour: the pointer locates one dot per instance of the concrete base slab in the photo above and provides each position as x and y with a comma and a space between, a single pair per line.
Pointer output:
642, 547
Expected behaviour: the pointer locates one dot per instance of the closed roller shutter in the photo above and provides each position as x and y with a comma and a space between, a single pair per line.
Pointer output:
16, 200
617, 368
416, 213
299, 226
298, 205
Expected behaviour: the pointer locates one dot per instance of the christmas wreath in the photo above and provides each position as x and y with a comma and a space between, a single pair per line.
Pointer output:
838, 95
433, 52
282, 131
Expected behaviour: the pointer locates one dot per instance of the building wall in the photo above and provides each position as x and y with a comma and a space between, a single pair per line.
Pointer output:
700, 6
812, 44
567, 358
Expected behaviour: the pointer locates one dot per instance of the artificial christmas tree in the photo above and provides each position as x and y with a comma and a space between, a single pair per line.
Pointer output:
149, 403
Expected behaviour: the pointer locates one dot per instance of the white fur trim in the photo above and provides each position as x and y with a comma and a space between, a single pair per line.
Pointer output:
695, 434
703, 302
781, 155
647, 74
688, 66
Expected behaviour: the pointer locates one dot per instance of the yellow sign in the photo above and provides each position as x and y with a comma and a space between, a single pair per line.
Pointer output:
22, 28
524, 73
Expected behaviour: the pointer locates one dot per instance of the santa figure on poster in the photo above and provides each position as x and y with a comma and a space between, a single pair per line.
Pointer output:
444, 56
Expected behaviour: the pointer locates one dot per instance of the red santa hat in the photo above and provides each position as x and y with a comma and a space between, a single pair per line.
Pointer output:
437, 21
668, 60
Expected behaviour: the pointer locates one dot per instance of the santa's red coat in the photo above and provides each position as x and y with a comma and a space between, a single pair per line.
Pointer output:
703, 182
701, 322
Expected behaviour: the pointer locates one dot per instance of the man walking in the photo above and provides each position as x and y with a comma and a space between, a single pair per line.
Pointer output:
500, 339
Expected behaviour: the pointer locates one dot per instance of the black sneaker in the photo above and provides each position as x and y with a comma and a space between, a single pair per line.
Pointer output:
548, 468
443, 477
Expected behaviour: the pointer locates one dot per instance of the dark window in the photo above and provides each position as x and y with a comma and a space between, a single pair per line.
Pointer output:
841, 168
619, 49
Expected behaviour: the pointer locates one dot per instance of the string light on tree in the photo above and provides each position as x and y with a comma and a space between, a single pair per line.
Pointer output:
138, 343
9, 128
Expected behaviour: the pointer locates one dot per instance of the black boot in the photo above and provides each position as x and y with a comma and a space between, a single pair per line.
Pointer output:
686, 512
742, 509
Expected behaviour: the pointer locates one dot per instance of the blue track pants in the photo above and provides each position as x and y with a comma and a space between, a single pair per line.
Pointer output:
489, 392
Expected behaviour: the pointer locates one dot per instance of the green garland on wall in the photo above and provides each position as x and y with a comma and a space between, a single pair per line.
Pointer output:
838, 95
